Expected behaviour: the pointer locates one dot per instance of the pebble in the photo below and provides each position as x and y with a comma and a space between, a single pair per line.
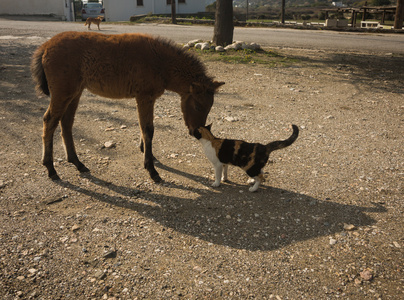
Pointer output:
99, 275
109, 144
52, 200
75, 227
333, 241
32, 270
197, 268
231, 119
110, 254
366, 275
349, 227
64, 239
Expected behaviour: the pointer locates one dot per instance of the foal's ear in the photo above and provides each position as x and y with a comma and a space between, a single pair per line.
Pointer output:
218, 84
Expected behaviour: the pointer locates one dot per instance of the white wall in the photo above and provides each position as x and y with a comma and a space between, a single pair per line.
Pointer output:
115, 10
122, 10
35, 7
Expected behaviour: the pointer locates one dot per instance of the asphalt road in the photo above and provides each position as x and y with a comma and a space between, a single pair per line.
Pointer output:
267, 37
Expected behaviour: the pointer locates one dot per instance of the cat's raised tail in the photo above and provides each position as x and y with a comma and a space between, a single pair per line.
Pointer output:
276, 145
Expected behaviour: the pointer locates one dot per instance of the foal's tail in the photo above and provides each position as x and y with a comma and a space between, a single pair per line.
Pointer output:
38, 73
285, 143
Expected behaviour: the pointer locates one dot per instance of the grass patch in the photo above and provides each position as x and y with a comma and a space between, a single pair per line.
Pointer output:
246, 56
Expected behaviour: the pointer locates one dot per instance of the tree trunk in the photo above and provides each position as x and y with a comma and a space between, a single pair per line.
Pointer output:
173, 13
223, 32
283, 12
398, 20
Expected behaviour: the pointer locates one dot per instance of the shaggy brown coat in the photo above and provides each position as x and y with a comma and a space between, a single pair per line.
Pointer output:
117, 66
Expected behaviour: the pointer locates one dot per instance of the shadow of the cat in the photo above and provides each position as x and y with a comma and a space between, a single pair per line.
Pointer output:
262, 221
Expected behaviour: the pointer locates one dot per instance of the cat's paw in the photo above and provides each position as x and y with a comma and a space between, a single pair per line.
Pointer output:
216, 184
253, 189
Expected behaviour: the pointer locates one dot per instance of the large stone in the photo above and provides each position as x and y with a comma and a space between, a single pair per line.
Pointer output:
205, 46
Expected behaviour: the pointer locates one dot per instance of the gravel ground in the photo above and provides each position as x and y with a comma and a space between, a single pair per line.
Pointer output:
328, 223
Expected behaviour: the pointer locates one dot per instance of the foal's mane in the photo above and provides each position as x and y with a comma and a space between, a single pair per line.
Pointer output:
182, 60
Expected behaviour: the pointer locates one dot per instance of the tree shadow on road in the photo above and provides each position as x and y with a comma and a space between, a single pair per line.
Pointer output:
379, 72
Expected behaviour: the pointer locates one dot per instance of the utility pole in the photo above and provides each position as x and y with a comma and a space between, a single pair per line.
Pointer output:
246, 16
283, 12
173, 14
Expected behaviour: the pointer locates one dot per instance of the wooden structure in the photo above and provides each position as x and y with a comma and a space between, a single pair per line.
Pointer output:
364, 10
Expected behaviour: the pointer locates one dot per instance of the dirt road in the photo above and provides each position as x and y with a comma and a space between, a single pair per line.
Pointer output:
328, 223
366, 42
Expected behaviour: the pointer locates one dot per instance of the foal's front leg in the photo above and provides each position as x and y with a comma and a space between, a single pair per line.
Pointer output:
67, 135
145, 111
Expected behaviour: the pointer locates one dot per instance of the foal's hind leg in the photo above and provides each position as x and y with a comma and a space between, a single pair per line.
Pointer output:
67, 134
50, 122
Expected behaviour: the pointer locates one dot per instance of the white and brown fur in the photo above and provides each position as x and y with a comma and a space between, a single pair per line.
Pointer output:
251, 157
96, 21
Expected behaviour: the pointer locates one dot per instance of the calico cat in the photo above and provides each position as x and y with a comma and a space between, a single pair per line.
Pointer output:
251, 157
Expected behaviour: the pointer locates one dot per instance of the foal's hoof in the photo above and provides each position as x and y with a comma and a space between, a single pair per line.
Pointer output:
156, 178
54, 177
84, 169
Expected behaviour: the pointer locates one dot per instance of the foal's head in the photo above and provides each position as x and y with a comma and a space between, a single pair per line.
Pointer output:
197, 103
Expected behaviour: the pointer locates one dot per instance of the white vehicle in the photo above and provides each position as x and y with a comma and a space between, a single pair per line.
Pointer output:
92, 10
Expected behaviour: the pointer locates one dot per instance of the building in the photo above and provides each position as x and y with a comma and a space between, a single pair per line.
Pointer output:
115, 10
122, 10
59, 9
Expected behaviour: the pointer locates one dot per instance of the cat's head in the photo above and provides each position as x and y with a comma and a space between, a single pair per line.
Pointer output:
201, 131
